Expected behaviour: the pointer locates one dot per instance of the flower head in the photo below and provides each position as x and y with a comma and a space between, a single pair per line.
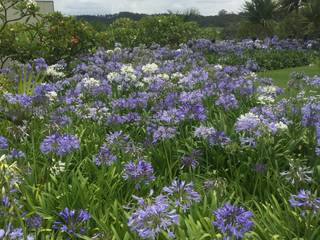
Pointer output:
104, 157
233, 221
149, 219
3, 143
306, 201
59, 144
72, 221
190, 161
182, 194
139, 172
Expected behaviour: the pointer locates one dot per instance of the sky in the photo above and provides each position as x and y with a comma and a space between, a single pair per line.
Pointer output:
206, 7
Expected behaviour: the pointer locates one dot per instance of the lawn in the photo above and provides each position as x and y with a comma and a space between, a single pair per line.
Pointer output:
281, 77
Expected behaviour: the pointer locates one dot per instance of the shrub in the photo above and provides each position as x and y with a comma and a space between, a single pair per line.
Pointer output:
253, 30
164, 30
54, 37
270, 59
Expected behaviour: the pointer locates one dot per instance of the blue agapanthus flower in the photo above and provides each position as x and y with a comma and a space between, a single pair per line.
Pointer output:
14, 154
59, 144
139, 172
3, 143
182, 194
305, 201
12, 233
104, 156
72, 222
233, 221
20, 99
34, 222
150, 219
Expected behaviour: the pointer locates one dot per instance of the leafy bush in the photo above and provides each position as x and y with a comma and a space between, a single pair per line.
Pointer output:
62, 38
164, 30
167, 30
270, 59
254, 30
123, 30
55, 37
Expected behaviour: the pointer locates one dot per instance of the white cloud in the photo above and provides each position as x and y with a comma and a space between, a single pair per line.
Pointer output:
206, 7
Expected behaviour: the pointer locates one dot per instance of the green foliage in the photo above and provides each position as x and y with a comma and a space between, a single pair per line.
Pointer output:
291, 5
293, 25
25, 9
55, 37
311, 12
63, 37
123, 30
286, 19
254, 30
5, 84
208, 33
165, 30
271, 59
260, 11
170, 30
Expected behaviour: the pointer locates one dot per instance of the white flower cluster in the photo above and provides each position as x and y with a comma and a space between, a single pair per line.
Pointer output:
90, 82
217, 67
150, 68
93, 113
265, 99
31, 4
164, 76
55, 71
126, 77
267, 94
52, 96
268, 89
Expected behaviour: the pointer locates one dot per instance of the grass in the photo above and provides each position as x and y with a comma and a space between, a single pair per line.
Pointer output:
281, 77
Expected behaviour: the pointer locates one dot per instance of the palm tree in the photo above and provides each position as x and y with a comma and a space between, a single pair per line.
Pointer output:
260, 11
311, 11
292, 5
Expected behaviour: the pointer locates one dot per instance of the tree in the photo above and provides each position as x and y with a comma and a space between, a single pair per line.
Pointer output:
311, 11
222, 12
23, 9
260, 11
291, 5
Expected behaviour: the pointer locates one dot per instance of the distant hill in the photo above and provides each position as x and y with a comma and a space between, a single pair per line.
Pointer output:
222, 20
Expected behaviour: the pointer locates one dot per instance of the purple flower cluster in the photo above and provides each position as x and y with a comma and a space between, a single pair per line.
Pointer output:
181, 194
233, 221
163, 133
318, 138
3, 143
190, 160
310, 113
60, 144
22, 100
15, 154
12, 233
105, 156
213, 136
40, 64
150, 219
228, 101
34, 222
305, 201
72, 222
140, 172
130, 103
